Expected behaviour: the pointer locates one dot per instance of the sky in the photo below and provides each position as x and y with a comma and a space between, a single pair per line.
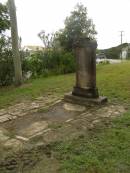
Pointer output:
109, 16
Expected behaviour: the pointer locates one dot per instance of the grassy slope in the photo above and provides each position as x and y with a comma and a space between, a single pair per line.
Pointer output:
112, 81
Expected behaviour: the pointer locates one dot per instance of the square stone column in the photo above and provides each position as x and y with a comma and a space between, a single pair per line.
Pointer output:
85, 54
85, 87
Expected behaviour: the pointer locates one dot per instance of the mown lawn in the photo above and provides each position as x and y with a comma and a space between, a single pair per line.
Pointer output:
112, 80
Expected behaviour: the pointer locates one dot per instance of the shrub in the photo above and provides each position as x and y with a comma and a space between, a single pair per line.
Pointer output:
6, 68
49, 62
104, 62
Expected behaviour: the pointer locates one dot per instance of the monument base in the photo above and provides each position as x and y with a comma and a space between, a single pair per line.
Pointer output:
87, 93
83, 100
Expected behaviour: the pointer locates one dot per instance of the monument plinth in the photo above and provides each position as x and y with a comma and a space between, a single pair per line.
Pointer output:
85, 88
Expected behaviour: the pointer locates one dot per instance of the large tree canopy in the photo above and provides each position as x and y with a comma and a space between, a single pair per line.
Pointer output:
4, 18
77, 25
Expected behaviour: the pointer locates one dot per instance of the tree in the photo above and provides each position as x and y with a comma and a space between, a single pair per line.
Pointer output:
44, 38
15, 45
77, 26
4, 18
6, 65
49, 39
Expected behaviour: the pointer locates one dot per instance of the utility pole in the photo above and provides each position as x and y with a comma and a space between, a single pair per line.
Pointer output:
15, 45
121, 36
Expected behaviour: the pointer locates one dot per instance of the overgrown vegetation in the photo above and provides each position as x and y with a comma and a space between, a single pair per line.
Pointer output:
50, 62
6, 62
4, 18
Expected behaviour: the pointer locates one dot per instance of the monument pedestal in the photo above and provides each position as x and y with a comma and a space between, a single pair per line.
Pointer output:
85, 91
83, 100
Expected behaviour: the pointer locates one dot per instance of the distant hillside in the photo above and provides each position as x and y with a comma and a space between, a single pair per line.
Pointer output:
114, 52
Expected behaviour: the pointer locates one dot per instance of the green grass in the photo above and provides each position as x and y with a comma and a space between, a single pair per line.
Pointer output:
112, 80
102, 151
55, 85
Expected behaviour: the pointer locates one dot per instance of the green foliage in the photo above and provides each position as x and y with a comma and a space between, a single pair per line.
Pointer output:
49, 62
77, 26
6, 68
49, 40
105, 62
4, 18
6, 62
33, 63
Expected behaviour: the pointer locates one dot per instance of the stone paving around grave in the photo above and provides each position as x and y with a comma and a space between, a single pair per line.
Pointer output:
23, 109
55, 126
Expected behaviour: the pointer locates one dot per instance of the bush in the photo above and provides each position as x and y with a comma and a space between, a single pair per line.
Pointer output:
104, 62
49, 63
40, 63
67, 63
6, 68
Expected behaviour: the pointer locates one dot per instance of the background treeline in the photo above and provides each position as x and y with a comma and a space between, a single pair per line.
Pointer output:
114, 52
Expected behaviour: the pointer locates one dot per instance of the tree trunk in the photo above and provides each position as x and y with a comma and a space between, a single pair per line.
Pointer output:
14, 35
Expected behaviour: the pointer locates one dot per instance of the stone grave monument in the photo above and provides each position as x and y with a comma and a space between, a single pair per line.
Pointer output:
85, 89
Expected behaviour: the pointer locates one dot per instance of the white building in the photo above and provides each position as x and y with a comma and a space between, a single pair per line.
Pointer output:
33, 48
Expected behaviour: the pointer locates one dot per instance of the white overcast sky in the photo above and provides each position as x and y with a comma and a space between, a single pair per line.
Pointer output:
109, 16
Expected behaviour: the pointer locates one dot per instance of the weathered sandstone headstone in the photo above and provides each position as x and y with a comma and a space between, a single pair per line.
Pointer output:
85, 89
